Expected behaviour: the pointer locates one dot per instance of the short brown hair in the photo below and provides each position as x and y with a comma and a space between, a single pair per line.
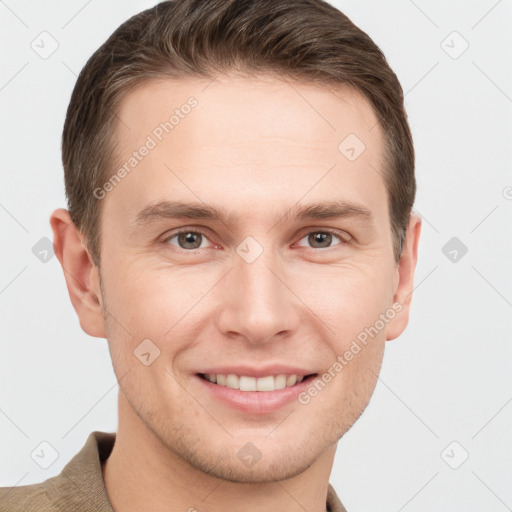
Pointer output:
307, 40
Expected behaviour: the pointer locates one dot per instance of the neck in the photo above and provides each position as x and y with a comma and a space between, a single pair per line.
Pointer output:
142, 473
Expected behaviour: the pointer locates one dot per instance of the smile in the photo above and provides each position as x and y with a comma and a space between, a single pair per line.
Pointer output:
247, 383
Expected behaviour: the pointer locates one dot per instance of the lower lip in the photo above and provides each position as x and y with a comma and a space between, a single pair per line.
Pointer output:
259, 402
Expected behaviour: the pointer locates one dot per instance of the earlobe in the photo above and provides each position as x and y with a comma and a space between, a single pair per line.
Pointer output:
82, 276
405, 273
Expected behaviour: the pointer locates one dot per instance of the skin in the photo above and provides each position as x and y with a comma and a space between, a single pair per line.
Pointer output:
257, 148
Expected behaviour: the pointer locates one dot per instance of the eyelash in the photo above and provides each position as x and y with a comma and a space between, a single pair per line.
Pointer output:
202, 233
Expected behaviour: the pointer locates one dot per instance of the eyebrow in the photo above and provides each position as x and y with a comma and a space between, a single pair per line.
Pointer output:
163, 210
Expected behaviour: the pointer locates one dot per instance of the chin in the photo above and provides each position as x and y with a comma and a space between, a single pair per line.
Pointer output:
264, 471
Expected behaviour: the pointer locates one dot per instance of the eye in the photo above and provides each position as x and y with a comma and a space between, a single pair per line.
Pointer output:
193, 239
323, 239
188, 239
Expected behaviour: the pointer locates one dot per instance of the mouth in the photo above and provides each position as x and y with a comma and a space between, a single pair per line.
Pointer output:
268, 383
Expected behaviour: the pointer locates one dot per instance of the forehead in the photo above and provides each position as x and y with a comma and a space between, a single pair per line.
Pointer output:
265, 105
246, 139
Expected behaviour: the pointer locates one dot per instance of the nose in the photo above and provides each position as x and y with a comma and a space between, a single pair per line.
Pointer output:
256, 303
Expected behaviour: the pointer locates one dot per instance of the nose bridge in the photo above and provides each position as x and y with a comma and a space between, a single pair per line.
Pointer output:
259, 305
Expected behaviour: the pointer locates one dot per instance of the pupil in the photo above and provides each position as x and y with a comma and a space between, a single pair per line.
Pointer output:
190, 238
320, 238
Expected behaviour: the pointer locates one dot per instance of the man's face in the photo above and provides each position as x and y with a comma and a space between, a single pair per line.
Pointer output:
257, 288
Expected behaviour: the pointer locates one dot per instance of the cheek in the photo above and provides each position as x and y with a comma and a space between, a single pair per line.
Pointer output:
149, 325
151, 301
162, 305
348, 302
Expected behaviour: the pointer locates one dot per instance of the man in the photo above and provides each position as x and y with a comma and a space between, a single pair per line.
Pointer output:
240, 178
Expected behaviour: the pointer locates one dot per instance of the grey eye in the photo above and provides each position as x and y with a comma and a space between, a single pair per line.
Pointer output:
188, 239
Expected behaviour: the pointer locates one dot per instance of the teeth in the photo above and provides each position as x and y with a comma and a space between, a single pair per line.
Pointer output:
280, 382
291, 380
245, 383
263, 384
232, 381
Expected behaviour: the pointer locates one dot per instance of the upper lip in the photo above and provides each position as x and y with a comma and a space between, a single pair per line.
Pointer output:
264, 371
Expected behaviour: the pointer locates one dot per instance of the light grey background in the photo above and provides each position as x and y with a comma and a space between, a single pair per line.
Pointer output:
447, 378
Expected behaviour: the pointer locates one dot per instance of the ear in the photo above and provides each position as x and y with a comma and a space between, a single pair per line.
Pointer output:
404, 279
81, 274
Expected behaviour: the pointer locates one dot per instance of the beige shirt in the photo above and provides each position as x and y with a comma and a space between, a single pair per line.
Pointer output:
80, 486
